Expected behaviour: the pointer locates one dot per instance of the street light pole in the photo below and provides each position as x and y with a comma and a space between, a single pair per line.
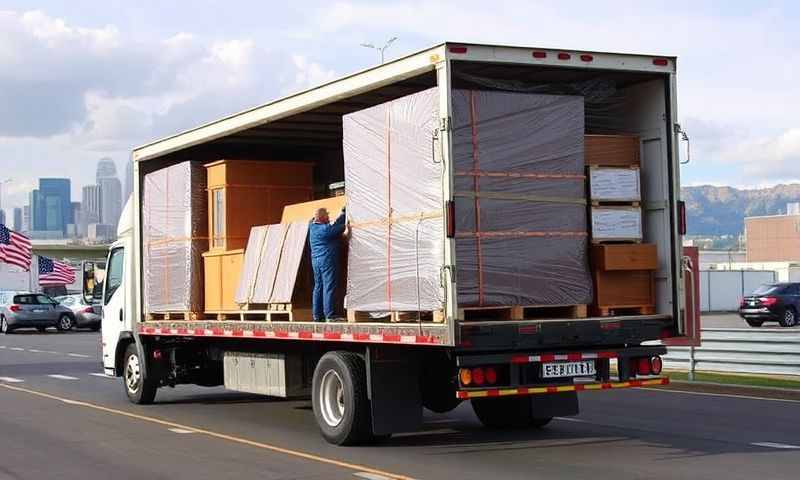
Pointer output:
380, 50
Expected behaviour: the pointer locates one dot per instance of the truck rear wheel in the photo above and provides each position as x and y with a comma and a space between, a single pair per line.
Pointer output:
140, 389
507, 412
339, 399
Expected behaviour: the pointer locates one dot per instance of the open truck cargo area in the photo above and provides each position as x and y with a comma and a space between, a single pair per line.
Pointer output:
515, 228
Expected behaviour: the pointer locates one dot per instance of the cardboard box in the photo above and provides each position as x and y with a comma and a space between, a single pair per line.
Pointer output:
611, 150
641, 256
614, 184
616, 223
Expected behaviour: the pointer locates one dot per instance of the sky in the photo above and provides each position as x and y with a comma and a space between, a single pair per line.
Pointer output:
81, 80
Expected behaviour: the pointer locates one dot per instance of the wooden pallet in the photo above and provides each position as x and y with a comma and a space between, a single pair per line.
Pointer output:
523, 312
155, 316
283, 315
623, 310
615, 241
266, 306
223, 315
435, 316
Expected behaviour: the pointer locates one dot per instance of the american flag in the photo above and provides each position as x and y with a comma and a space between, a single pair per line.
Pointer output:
15, 248
53, 272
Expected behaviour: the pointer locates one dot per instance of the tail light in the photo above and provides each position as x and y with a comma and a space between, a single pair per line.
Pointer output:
682, 217
564, 56
458, 49
643, 367
14, 308
539, 54
586, 58
660, 62
88, 310
768, 301
478, 376
656, 364
465, 376
491, 375
742, 302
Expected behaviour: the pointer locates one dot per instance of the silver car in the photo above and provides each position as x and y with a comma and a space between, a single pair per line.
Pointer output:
86, 315
35, 310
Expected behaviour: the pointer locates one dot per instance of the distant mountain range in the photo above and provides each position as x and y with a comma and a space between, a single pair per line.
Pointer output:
721, 210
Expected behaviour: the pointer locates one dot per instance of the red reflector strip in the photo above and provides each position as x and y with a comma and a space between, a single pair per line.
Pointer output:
660, 62
458, 49
587, 58
539, 54
520, 359
564, 56
583, 387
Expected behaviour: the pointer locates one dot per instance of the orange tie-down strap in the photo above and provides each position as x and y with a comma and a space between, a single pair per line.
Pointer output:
520, 233
536, 176
386, 221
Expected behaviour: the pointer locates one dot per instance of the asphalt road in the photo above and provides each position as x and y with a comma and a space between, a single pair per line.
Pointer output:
732, 320
60, 419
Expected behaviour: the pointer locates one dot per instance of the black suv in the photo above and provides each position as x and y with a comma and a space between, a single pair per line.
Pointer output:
774, 302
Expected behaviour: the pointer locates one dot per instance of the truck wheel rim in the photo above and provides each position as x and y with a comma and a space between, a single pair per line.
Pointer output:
132, 373
331, 398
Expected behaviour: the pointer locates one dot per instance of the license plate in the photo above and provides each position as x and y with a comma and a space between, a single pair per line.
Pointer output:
568, 369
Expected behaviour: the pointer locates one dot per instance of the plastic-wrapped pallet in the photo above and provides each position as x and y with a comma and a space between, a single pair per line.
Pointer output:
175, 234
520, 197
394, 191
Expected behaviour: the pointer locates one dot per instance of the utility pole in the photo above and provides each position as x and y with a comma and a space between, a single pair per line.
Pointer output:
380, 50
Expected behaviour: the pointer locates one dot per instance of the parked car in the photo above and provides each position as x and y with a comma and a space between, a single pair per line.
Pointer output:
35, 310
773, 302
86, 315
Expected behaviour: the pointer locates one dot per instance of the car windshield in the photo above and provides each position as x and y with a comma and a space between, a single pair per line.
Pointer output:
766, 289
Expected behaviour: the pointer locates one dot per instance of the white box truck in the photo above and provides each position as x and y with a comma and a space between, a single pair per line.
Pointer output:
372, 379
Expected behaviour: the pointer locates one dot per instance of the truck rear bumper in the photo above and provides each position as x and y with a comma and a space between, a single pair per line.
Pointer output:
579, 387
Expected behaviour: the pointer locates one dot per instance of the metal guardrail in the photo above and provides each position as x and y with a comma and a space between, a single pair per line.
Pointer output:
740, 350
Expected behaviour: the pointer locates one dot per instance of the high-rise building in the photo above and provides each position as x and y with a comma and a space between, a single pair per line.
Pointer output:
26, 218
110, 192
55, 206
2, 216
90, 208
106, 168
17, 225
35, 220
128, 181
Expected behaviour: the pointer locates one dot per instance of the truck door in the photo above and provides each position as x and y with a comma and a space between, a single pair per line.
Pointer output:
113, 306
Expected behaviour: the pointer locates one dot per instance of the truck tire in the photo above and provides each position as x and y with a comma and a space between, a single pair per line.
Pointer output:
141, 390
339, 399
507, 412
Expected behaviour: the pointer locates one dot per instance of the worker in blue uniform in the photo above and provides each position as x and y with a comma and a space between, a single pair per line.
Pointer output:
325, 239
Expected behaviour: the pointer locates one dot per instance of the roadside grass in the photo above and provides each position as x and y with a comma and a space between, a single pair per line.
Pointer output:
744, 380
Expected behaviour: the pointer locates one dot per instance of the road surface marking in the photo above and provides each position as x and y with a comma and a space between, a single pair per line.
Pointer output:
11, 380
748, 397
50, 351
570, 419
222, 436
3, 346
370, 476
33, 350
17, 349
79, 355
776, 445
180, 430
63, 377
102, 375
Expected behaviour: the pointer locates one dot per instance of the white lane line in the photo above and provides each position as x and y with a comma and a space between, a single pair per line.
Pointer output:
704, 394
180, 430
11, 380
783, 446
371, 476
3, 347
102, 375
570, 419
17, 349
50, 351
63, 377
33, 350
79, 355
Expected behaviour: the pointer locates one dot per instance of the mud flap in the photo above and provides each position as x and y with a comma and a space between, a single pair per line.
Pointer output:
394, 390
561, 404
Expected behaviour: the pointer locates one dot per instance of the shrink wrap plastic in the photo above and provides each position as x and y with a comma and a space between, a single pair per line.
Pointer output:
272, 262
394, 191
175, 234
520, 197
614, 184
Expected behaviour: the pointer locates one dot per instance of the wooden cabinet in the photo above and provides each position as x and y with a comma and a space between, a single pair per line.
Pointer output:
624, 281
222, 270
245, 193
611, 150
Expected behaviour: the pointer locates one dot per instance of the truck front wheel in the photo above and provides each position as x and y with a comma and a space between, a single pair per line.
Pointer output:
140, 389
339, 399
507, 412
